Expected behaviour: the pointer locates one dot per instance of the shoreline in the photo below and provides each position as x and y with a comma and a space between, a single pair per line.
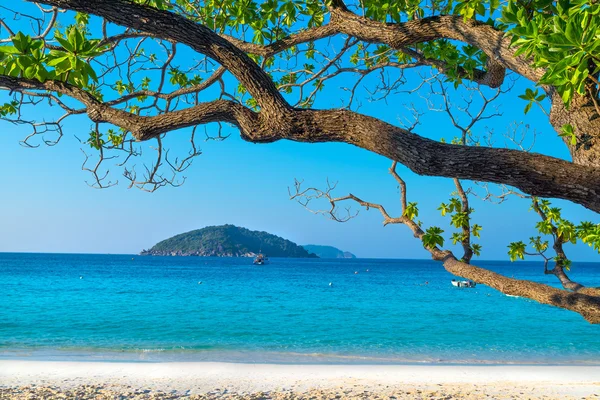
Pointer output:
367, 362
236, 380
283, 359
269, 357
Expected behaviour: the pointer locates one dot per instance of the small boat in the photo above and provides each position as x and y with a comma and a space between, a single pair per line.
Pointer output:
261, 259
468, 284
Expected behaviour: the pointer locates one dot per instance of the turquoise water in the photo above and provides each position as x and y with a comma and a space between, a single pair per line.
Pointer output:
120, 307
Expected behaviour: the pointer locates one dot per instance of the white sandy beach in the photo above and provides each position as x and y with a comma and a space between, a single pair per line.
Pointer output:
229, 380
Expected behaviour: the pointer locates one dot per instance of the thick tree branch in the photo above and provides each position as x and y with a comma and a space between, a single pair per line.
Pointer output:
142, 127
532, 173
176, 28
172, 27
491, 41
586, 305
400, 36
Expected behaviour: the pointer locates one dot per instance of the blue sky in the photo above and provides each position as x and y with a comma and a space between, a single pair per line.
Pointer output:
47, 206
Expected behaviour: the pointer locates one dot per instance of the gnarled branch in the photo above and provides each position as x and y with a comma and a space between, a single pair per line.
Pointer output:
535, 174
587, 305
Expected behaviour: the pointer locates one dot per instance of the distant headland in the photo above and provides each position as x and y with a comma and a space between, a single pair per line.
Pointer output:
227, 241
327, 251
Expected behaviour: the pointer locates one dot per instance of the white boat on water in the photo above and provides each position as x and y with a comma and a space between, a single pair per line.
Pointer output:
261, 259
468, 284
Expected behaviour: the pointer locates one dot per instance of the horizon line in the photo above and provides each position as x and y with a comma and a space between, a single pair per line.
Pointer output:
356, 258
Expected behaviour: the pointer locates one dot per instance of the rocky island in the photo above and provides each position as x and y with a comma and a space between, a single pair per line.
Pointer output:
227, 241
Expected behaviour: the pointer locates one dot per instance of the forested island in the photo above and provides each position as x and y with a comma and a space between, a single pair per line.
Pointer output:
227, 241
327, 251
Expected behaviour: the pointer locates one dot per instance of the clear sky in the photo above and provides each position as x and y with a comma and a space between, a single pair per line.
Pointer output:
47, 206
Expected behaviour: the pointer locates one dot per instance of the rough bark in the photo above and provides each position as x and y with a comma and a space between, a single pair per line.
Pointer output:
585, 119
583, 114
530, 172
489, 40
565, 281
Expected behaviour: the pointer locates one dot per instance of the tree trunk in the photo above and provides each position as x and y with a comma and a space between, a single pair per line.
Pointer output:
585, 119
565, 281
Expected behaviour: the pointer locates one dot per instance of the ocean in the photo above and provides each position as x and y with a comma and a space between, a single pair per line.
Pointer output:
134, 308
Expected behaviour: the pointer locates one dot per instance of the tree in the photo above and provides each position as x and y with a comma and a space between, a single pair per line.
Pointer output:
100, 58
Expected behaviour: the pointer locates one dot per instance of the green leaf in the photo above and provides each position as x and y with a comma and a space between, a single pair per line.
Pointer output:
412, 211
55, 61
76, 39
65, 43
444, 209
475, 230
516, 250
21, 42
433, 237
9, 50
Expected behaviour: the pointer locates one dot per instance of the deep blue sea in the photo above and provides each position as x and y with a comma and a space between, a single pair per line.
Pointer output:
134, 308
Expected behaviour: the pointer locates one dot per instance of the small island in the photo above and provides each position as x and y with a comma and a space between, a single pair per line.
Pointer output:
227, 241
327, 251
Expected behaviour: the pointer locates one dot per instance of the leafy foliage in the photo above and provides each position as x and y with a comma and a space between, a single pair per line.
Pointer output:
559, 229
27, 58
462, 220
562, 37
433, 237
532, 97
412, 210
10, 108
516, 250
